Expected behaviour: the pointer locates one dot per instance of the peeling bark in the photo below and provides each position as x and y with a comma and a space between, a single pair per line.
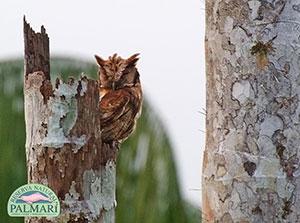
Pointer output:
63, 142
251, 161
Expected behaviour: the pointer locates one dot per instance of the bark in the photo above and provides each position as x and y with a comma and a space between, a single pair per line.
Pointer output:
63, 140
37, 55
251, 160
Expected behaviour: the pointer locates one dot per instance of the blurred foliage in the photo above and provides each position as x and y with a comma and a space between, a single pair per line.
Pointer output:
147, 184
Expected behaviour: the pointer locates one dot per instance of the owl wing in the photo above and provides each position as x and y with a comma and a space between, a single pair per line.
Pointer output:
112, 105
118, 112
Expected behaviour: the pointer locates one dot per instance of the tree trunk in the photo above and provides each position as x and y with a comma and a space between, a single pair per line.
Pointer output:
251, 160
63, 139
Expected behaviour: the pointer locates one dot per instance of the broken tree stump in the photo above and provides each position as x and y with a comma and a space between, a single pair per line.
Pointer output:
63, 139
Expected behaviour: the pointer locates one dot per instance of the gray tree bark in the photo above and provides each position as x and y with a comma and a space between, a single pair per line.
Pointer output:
63, 139
251, 161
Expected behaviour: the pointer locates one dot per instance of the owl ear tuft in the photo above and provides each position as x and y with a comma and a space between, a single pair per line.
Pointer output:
131, 61
99, 60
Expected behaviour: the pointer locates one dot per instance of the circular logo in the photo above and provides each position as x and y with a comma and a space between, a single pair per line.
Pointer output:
33, 200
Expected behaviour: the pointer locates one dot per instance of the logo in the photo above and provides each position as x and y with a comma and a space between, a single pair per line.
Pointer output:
33, 200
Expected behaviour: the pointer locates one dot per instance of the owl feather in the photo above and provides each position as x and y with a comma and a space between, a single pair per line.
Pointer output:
120, 97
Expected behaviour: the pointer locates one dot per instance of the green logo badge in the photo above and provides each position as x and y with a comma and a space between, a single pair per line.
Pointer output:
33, 200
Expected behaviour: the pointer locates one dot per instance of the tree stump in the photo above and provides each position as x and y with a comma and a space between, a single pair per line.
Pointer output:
63, 139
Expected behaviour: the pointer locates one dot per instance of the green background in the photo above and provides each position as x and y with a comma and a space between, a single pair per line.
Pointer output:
147, 184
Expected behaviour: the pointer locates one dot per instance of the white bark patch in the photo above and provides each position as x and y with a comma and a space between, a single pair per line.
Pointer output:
242, 43
79, 142
75, 206
267, 170
284, 188
99, 195
63, 108
228, 24
254, 6
72, 196
266, 146
33, 102
242, 91
99, 189
292, 135
270, 124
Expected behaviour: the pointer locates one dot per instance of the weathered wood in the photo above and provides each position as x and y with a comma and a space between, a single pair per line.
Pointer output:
251, 162
37, 56
63, 145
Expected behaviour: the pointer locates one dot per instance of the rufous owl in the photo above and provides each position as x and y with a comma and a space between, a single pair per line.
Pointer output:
120, 97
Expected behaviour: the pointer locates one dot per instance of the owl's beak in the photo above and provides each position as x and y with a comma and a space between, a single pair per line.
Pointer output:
113, 86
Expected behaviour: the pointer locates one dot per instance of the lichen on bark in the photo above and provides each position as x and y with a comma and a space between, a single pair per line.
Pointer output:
64, 149
63, 108
251, 160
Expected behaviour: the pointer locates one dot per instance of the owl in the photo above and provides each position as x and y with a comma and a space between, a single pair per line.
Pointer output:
120, 97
